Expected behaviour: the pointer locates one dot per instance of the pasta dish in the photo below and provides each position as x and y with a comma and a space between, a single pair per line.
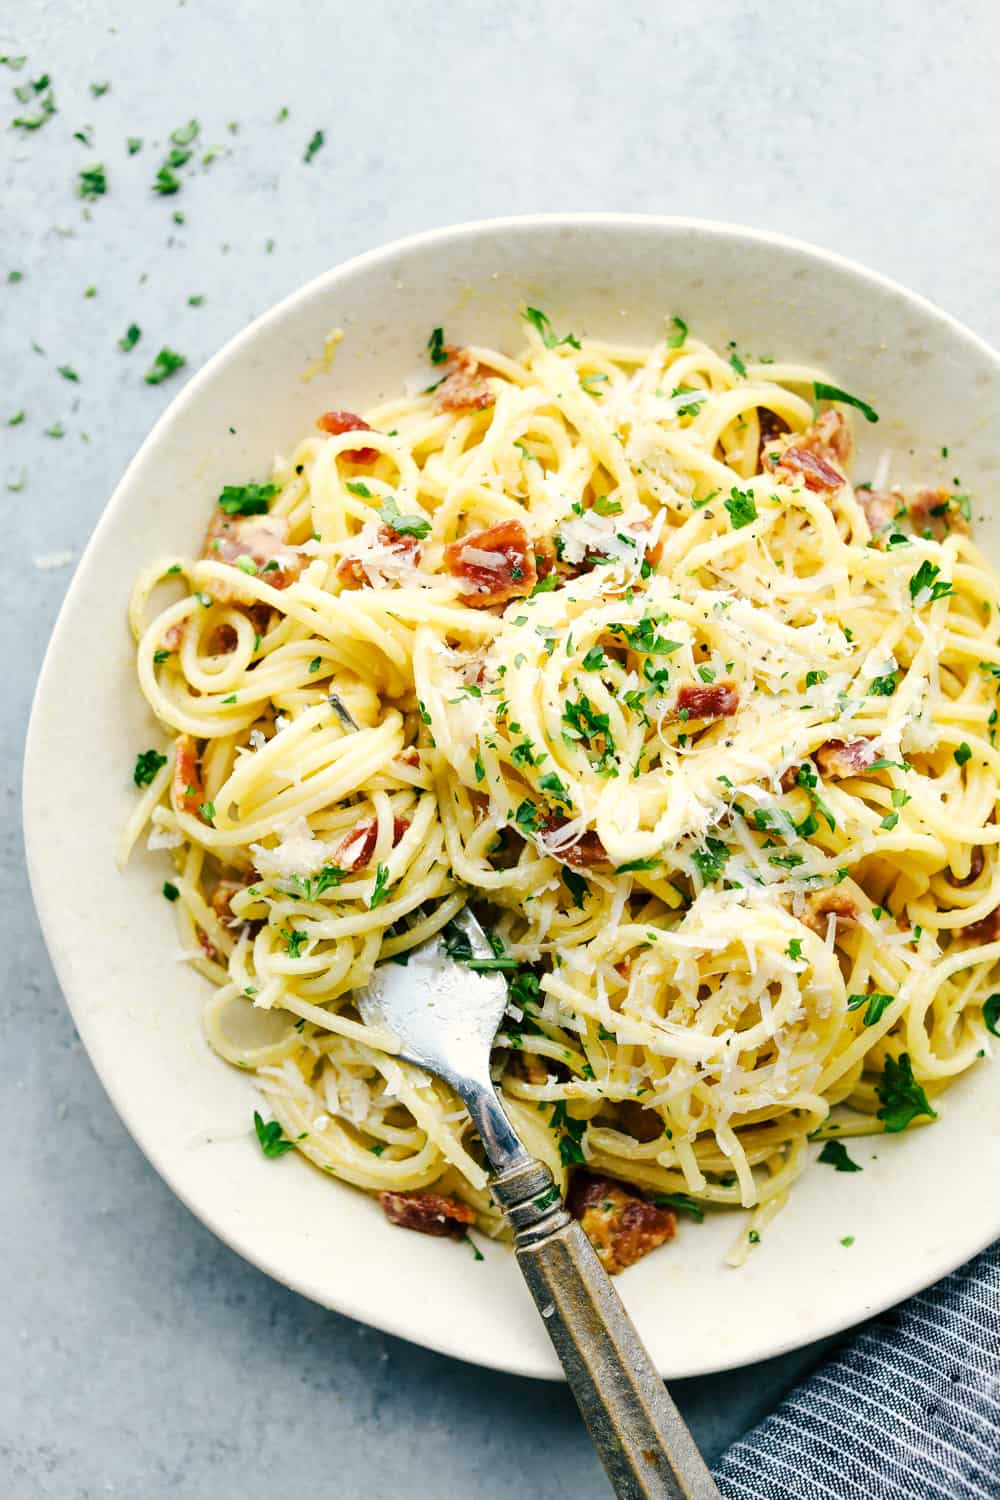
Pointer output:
606, 642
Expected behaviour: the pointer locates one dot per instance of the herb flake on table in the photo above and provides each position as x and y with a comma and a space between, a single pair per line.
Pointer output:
270, 1137
130, 338
316, 142
164, 365
834, 1154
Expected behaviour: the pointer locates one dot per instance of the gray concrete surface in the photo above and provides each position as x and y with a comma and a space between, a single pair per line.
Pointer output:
140, 1357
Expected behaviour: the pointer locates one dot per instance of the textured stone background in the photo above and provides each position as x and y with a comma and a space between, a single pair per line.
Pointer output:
142, 1359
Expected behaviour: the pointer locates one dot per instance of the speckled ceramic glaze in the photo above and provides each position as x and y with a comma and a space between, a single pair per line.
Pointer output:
923, 1203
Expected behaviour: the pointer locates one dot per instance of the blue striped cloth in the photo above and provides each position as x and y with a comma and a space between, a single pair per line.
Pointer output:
909, 1410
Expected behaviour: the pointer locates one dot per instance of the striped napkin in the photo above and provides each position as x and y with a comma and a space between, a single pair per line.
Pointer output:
909, 1410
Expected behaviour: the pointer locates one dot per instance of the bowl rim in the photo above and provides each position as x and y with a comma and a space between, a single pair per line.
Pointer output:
231, 1234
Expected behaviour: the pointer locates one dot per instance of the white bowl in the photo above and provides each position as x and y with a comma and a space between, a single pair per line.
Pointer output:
924, 1203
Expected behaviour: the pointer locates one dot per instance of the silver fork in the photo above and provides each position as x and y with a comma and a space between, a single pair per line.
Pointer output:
443, 1016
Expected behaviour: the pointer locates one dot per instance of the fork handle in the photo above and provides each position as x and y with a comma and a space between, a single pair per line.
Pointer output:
639, 1434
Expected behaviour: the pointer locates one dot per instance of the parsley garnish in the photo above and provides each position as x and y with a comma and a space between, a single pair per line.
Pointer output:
742, 508
68, 373
576, 885
551, 783
436, 348
570, 1147
710, 860
884, 687
247, 499
93, 182
594, 659
526, 816
133, 144
683, 1202
903, 1099
164, 365
877, 1004
991, 1014
834, 1154
316, 141
381, 887
794, 949
736, 361
131, 337
962, 754
631, 865
543, 327
402, 525
926, 577
270, 1136
170, 890
824, 392
147, 763
678, 332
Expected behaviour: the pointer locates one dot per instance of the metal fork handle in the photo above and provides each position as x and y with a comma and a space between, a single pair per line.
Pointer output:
639, 1434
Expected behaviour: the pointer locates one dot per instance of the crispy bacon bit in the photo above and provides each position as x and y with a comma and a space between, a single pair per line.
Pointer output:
355, 851
494, 565
814, 471
840, 758
545, 555
189, 790
209, 949
790, 778
977, 862
260, 538
351, 571
621, 1227
221, 899
173, 638
410, 756
986, 930
336, 422
463, 388
586, 851
642, 1124
223, 640
815, 909
829, 436
880, 507
771, 426
933, 511
716, 700
427, 1213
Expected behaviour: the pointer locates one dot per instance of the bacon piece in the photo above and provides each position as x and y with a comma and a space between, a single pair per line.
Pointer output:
463, 389
771, 426
586, 851
621, 1227
880, 507
173, 638
840, 758
410, 756
986, 930
209, 949
635, 1120
708, 700
221, 899
814, 471
351, 570
814, 910
336, 422
261, 538
355, 851
427, 1213
932, 510
494, 565
977, 862
189, 790
545, 555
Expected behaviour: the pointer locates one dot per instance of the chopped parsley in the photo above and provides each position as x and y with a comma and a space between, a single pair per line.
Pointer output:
594, 659
632, 865
884, 687
133, 144
436, 347
877, 1004
824, 392
130, 338
962, 754
68, 373
551, 783
683, 1202
926, 578
834, 1154
381, 887
735, 360
742, 508
295, 941
575, 884
93, 182
316, 141
903, 1099
794, 949
402, 525
147, 763
170, 891
270, 1137
247, 499
571, 1135
164, 365
677, 332
991, 1014
315, 664
543, 327
710, 860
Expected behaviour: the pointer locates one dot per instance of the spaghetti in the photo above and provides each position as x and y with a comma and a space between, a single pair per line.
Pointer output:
603, 640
